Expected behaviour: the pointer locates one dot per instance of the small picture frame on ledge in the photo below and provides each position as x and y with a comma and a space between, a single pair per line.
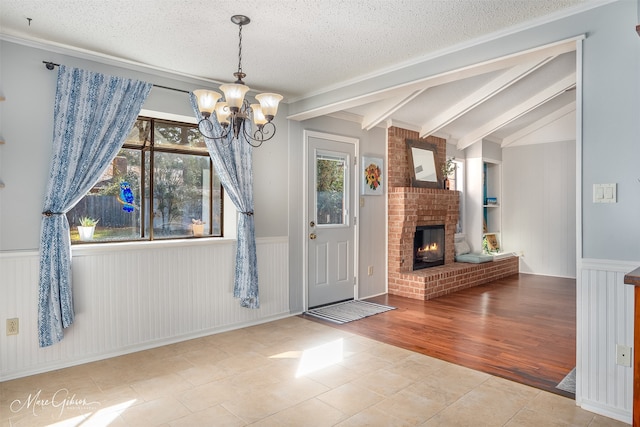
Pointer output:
372, 176
490, 244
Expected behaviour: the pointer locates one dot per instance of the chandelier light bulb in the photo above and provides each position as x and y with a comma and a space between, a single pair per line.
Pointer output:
222, 113
269, 103
206, 100
258, 117
234, 94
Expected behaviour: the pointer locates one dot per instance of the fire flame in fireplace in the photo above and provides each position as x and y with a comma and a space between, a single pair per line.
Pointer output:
428, 248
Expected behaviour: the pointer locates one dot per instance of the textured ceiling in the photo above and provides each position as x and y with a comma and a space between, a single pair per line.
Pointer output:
291, 46
306, 48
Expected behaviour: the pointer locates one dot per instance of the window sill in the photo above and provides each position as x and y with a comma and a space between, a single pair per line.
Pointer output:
93, 248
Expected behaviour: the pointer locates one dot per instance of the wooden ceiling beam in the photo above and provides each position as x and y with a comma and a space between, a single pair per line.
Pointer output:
519, 110
481, 95
539, 124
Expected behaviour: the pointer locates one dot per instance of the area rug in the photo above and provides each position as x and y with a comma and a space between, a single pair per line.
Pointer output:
569, 382
348, 311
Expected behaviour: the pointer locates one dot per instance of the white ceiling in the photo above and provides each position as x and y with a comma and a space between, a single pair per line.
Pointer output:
301, 48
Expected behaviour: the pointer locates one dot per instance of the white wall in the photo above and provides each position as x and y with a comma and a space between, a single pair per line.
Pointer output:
539, 207
473, 200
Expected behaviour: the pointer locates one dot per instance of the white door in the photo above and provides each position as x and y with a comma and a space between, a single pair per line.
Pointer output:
330, 219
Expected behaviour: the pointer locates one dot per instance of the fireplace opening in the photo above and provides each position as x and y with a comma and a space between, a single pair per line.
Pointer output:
428, 246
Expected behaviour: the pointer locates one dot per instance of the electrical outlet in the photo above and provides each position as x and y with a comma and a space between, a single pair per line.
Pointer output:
13, 326
370, 270
623, 355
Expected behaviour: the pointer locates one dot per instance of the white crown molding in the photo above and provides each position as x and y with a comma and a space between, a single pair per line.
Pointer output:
101, 58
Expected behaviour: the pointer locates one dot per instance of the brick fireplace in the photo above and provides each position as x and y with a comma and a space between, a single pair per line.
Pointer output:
412, 207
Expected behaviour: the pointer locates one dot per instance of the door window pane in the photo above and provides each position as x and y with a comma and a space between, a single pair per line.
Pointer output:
330, 196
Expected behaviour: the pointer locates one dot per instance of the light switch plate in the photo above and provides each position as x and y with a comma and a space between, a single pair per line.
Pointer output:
604, 193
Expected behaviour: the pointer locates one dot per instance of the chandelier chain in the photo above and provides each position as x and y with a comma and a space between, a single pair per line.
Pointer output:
240, 49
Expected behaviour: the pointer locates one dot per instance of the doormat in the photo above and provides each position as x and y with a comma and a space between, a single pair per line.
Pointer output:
569, 382
348, 311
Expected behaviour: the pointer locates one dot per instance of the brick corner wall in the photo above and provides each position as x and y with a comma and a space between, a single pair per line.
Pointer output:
410, 207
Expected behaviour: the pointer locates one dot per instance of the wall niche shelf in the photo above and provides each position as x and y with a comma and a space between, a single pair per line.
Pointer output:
491, 192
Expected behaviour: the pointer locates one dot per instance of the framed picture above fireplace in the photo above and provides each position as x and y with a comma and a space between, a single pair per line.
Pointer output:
423, 170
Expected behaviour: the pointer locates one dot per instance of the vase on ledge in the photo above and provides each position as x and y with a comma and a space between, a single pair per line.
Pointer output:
86, 233
445, 184
198, 229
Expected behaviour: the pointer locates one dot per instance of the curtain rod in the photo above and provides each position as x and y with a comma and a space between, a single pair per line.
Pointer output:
51, 65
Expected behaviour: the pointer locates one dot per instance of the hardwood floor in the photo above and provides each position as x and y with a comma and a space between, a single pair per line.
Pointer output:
522, 328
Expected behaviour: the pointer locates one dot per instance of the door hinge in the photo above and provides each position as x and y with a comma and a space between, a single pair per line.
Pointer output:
355, 220
355, 161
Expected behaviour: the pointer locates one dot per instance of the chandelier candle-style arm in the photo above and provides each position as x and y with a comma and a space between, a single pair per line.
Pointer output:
233, 112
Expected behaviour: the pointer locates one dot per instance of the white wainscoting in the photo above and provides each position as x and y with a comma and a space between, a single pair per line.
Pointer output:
131, 297
604, 319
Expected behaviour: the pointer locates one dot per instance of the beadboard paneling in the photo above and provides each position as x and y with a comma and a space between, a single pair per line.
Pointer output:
539, 207
132, 297
604, 319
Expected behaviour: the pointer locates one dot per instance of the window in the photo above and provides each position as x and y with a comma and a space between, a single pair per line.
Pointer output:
331, 173
161, 183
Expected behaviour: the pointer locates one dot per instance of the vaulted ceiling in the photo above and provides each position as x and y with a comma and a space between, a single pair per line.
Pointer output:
522, 99
305, 48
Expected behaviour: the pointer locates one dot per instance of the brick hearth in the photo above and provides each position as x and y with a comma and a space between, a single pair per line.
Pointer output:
434, 282
410, 207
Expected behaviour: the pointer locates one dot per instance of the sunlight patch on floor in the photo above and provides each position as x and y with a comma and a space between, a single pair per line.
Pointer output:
103, 417
320, 357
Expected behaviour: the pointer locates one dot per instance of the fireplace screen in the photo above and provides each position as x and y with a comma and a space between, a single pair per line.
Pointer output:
428, 246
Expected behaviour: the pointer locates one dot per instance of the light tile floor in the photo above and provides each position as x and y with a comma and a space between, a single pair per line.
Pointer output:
291, 372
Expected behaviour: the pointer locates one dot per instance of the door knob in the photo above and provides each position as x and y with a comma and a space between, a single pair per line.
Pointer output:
312, 236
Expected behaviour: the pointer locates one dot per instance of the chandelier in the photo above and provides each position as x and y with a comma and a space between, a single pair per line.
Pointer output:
234, 111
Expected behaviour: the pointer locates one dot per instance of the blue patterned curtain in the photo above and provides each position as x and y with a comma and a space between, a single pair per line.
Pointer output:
93, 114
232, 161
